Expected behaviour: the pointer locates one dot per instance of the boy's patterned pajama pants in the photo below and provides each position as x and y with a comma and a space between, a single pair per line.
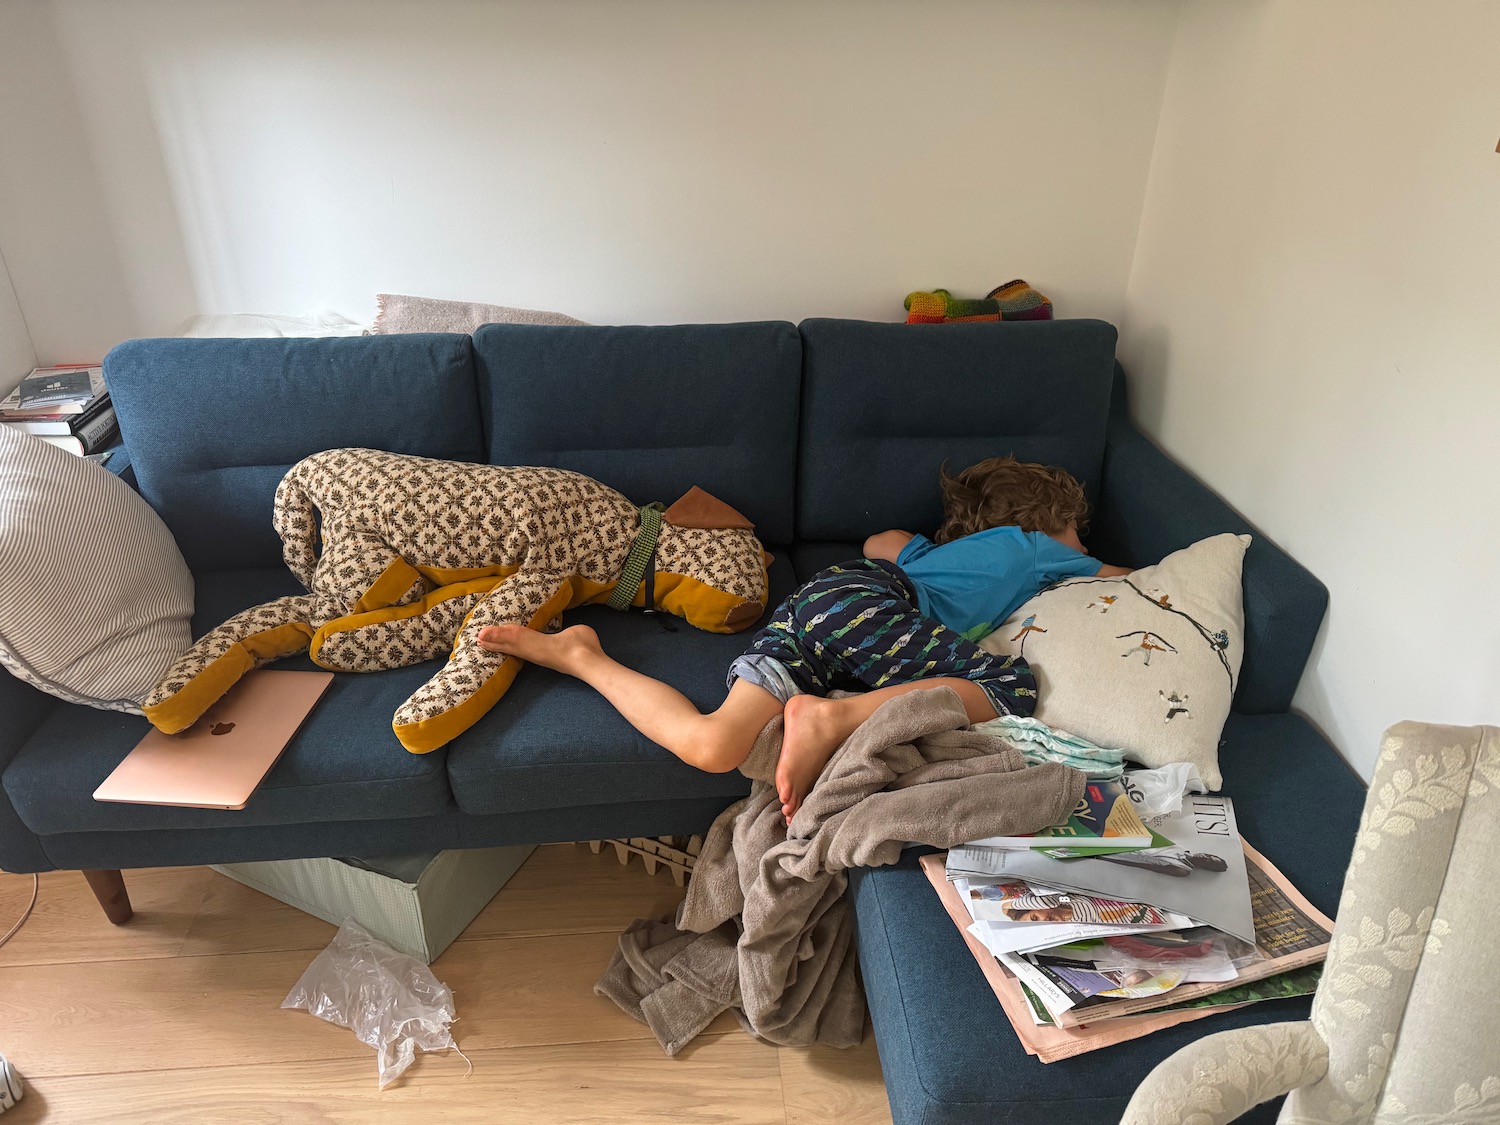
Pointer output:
856, 626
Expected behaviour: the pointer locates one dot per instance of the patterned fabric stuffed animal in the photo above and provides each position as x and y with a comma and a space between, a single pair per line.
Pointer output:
418, 555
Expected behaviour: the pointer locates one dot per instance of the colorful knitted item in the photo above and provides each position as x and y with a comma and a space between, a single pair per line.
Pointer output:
1015, 300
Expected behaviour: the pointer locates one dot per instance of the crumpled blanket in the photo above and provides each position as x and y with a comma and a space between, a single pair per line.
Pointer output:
765, 929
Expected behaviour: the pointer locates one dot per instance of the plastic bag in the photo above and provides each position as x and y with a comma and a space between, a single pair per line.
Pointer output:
1159, 792
389, 1000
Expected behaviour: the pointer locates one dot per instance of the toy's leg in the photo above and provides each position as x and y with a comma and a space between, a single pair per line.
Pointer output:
474, 679
215, 664
355, 567
363, 573
397, 636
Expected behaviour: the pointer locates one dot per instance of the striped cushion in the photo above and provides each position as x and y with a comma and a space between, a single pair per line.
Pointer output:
97, 597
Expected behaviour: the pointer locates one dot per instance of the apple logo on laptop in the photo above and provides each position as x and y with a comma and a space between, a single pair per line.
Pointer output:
221, 728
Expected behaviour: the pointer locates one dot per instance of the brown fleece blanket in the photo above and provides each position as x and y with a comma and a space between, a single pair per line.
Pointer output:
765, 929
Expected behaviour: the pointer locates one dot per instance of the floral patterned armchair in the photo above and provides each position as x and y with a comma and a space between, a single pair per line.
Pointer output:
1404, 1027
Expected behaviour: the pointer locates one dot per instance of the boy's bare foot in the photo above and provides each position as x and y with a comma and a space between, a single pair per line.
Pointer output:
814, 729
564, 652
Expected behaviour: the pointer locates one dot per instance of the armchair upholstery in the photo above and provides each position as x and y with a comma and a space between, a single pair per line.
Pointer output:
1402, 1029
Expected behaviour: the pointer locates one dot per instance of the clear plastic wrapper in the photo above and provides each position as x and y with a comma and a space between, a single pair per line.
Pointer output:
1159, 792
390, 1001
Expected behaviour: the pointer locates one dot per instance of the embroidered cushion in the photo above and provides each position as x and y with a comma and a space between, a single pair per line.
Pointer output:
98, 598
1147, 662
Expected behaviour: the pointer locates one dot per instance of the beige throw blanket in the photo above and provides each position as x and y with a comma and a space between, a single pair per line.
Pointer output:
765, 929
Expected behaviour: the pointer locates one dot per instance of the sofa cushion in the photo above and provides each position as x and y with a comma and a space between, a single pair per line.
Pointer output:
948, 1051
212, 425
344, 764
1090, 643
885, 405
651, 411
102, 611
553, 742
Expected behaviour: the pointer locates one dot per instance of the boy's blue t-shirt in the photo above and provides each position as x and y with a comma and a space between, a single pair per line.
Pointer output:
974, 583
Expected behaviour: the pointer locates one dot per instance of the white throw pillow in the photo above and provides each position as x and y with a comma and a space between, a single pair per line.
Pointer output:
98, 600
1147, 662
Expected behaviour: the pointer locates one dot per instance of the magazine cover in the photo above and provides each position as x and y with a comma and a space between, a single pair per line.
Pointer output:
1202, 874
1283, 986
1020, 902
52, 386
1047, 1044
1105, 814
1290, 933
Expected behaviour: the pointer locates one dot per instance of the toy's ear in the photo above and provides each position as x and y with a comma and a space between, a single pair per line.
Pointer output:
699, 509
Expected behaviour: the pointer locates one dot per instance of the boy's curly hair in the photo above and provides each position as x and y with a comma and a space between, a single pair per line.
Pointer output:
1001, 490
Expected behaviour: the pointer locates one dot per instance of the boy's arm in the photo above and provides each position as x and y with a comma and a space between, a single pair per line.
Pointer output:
887, 545
1106, 571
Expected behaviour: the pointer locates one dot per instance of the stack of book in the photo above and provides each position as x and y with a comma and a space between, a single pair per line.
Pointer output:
1106, 929
66, 406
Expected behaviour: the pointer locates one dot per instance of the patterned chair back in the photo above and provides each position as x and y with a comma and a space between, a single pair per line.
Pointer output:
1403, 1031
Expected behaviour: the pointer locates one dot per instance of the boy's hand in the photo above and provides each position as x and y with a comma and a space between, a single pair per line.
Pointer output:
887, 545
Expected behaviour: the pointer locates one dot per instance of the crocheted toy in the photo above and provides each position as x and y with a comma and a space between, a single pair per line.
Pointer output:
418, 555
1015, 300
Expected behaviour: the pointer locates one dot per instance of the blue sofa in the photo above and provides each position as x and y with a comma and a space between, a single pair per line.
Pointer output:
821, 433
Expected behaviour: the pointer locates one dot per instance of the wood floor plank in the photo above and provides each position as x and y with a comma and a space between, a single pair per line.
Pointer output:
222, 1010
179, 1019
531, 991
729, 1080
235, 918
823, 1084
567, 889
68, 924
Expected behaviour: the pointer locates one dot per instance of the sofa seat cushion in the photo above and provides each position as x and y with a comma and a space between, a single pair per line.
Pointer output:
553, 742
344, 764
948, 1051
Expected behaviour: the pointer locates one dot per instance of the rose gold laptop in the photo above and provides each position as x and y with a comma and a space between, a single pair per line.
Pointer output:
218, 761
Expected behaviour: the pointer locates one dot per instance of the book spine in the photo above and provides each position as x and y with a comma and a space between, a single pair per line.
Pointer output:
97, 433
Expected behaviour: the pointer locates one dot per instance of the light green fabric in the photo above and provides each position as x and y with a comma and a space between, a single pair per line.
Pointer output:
639, 559
1039, 743
1402, 1030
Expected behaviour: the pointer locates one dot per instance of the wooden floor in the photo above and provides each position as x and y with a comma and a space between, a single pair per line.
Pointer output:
175, 1017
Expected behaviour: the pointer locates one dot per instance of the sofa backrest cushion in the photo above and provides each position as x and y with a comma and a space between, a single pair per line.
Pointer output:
211, 426
651, 410
885, 405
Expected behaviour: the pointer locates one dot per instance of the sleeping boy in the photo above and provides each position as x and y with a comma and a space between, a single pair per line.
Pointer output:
905, 617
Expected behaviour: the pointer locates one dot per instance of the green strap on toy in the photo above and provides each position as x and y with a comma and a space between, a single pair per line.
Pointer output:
638, 562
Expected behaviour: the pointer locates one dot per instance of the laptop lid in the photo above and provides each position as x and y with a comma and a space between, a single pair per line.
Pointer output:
218, 761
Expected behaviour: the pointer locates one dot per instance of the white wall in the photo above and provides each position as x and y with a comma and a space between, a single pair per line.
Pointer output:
17, 356
1313, 327
650, 160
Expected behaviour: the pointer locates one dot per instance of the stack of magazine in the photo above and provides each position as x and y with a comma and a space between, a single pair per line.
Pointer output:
1090, 937
68, 407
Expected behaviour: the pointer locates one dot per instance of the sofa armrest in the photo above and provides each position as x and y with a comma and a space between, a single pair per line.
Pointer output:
24, 708
1149, 506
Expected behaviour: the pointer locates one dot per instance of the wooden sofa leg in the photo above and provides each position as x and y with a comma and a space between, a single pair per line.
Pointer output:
109, 889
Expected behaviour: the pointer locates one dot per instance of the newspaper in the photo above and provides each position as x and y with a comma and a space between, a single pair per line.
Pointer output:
1046, 1043
1290, 933
1202, 874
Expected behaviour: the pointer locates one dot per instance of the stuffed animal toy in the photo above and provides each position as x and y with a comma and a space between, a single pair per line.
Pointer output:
418, 555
